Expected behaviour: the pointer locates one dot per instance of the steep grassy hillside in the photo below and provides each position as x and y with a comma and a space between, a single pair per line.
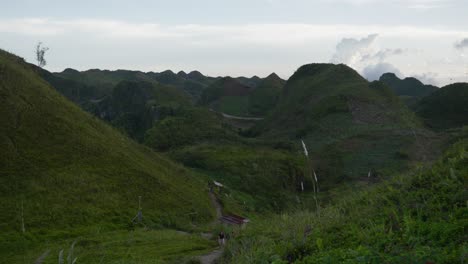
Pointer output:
411, 87
227, 95
188, 126
419, 217
62, 170
445, 108
265, 96
135, 106
351, 126
258, 179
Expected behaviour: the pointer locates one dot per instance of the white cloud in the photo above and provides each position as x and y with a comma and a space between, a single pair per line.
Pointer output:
241, 49
414, 4
374, 71
427, 77
256, 33
362, 55
462, 44
350, 51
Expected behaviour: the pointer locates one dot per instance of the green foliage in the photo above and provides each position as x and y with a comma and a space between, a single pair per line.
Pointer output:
71, 170
414, 218
188, 126
259, 178
408, 86
445, 108
265, 96
351, 126
241, 97
138, 246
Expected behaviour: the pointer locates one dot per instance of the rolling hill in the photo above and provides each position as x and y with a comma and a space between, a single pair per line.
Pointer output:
409, 89
446, 107
63, 171
350, 125
227, 95
265, 96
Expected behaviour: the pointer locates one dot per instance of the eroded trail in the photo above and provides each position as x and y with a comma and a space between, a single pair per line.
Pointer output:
217, 206
217, 253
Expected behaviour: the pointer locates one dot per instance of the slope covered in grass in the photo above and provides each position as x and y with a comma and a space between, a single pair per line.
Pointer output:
259, 179
265, 96
445, 108
418, 217
62, 169
407, 87
350, 126
227, 95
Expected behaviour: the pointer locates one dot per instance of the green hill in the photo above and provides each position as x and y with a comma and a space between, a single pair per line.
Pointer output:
264, 97
350, 125
192, 83
409, 89
446, 107
253, 81
104, 81
135, 106
227, 95
417, 217
65, 172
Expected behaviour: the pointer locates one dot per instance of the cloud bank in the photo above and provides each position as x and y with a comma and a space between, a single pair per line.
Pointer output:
234, 49
462, 44
362, 55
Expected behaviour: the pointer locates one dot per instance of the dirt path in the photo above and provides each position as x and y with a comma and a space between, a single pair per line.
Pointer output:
217, 206
247, 118
211, 257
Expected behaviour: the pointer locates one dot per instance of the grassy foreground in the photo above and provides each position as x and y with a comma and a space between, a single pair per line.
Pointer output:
64, 173
420, 217
123, 246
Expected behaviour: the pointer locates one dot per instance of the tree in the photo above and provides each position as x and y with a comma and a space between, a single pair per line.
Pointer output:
40, 52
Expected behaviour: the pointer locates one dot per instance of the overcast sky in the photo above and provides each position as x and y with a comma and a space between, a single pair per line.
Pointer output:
423, 38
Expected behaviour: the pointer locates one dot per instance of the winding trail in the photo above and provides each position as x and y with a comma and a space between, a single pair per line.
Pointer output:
217, 206
211, 257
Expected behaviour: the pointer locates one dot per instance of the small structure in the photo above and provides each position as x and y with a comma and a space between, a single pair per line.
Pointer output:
233, 219
216, 186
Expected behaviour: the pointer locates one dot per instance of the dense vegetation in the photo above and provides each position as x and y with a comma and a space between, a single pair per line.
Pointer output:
351, 126
65, 173
410, 86
243, 96
264, 97
68, 176
416, 217
445, 108
259, 179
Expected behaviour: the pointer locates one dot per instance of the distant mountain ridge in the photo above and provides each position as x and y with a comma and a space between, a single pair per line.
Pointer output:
234, 96
410, 88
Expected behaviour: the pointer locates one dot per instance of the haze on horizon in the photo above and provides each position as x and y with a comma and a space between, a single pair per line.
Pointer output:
427, 39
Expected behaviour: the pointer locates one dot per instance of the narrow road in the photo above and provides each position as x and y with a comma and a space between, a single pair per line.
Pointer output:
238, 117
212, 256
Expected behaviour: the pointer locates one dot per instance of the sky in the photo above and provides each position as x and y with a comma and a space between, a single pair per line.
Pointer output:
427, 39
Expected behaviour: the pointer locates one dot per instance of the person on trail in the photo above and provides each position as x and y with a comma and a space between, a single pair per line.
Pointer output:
221, 238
